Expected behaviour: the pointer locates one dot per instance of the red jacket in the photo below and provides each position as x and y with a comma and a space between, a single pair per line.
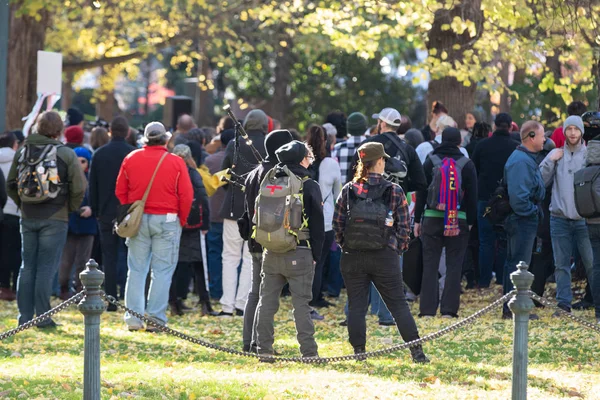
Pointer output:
171, 191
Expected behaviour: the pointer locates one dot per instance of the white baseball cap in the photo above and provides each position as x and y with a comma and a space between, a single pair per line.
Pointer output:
390, 116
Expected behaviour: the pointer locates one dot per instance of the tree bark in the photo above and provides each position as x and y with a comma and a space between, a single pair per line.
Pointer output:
26, 37
106, 106
459, 99
280, 105
504, 97
67, 91
205, 102
553, 64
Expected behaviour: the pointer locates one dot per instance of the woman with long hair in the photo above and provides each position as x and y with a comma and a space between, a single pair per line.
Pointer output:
437, 110
190, 250
326, 172
372, 226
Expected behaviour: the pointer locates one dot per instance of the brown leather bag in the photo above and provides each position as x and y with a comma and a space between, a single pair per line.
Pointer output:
128, 224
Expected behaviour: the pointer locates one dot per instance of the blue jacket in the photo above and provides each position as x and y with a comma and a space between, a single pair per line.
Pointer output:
525, 184
79, 225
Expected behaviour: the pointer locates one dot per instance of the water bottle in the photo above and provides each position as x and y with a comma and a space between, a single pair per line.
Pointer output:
389, 221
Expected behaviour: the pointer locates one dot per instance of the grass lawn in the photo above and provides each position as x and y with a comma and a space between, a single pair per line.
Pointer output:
473, 363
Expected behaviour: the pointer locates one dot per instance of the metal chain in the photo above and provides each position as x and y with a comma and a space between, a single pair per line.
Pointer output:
552, 304
44, 317
318, 360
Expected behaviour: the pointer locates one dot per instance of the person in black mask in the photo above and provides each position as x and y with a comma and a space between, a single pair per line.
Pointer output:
372, 226
290, 228
273, 141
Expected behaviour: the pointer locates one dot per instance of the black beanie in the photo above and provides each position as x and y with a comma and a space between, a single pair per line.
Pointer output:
227, 136
274, 141
451, 136
291, 153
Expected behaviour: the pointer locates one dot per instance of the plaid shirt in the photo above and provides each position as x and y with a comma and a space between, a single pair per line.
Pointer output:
344, 153
401, 238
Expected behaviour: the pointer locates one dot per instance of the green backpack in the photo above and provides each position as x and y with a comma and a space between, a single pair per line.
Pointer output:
279, 222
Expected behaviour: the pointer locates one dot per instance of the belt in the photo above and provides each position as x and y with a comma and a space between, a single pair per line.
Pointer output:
304, 243
440, 214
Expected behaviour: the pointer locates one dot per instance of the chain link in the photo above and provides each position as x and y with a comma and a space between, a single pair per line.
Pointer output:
318, 360
552, 304
44, 317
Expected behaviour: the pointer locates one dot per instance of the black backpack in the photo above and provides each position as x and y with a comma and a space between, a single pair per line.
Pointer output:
368, 217
498, 206
587, 191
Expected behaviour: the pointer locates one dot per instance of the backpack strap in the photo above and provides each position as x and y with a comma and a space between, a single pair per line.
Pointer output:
394, 139
435, 160
153, 176
461, 162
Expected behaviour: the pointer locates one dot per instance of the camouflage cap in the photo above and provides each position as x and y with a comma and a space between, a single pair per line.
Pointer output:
371, 151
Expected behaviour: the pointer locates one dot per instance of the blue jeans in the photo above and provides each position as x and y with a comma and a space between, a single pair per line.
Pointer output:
488, 237
43, 243
594, 278
155, 247
334, 277
214, 241
564, 233
520, 236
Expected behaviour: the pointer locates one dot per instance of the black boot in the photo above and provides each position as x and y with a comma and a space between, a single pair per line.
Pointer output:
418, 356
360, 350
175, 308
206, 309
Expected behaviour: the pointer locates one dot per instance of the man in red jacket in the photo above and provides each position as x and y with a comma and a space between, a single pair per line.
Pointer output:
156, 245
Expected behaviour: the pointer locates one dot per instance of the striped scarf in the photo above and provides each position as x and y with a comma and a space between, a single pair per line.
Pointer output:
450, 196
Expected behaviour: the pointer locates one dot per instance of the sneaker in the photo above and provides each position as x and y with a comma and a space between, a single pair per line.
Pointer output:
418, 356
583, 305
321, 304
387, 323
344, 323
449, 316
135, 328
562, 307
239, 313
598, 321
315, 316
152, 328
48, 325
534, 317
426, 316
224, 314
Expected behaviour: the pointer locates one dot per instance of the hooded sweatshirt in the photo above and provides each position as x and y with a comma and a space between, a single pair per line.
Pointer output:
560, 173
6, 158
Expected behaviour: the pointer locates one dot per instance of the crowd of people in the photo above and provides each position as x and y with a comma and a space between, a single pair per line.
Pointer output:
248, 212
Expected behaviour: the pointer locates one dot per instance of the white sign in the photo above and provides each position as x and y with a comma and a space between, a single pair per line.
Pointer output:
49, 73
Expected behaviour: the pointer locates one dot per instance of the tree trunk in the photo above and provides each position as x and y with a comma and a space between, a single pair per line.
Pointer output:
459, 99
26, 37
553, 64
504, 97
205, 102
106, 105
66, 99
280, 105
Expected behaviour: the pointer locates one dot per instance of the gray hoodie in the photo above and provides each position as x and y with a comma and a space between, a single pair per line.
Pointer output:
561, 174
6, 158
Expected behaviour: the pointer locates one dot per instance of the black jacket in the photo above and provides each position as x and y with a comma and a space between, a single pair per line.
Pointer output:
245, 163
104, 169
468, 184
416, 177
252, 183
489, 157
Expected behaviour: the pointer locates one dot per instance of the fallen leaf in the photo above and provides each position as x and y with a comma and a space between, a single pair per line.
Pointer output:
66, 386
